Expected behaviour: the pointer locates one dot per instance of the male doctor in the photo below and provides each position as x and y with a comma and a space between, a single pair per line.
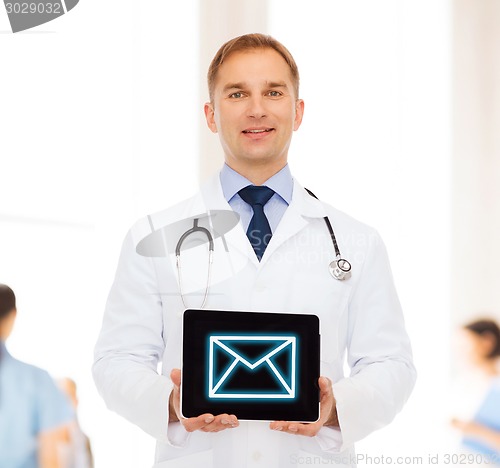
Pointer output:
275, 259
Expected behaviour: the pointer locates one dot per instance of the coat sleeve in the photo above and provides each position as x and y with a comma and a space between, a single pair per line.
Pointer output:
131, 345
378, 352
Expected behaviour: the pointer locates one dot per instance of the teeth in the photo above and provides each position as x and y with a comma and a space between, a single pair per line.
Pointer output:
257, 131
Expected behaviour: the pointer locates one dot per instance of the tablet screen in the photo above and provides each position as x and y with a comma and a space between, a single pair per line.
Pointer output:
255, 365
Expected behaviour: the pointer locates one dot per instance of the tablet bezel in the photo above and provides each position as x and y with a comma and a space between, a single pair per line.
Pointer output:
200, 324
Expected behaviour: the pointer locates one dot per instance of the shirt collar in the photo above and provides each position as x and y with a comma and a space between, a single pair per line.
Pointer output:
232, 182
3, 350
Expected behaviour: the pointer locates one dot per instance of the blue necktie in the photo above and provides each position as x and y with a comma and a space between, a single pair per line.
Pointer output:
258, 232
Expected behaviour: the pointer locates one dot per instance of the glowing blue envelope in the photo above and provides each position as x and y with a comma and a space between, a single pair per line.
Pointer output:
257, 359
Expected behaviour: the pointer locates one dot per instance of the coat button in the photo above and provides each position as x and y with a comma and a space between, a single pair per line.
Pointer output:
257, 456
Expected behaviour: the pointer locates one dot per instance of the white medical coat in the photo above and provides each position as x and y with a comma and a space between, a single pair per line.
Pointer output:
360, 318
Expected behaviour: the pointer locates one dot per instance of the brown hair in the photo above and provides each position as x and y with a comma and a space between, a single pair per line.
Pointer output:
250, 42
487, 328
7, 301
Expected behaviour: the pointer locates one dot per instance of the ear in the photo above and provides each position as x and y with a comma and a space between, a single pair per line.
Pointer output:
210, 116
299, 113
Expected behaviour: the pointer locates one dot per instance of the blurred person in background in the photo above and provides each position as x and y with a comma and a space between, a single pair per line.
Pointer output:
75, 450
481, 434
33, 411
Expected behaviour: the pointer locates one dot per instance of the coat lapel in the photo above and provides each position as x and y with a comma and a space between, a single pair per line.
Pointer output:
302, 208
213, 199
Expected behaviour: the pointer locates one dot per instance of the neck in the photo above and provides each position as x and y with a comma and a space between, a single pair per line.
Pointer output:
255, 173
490, 367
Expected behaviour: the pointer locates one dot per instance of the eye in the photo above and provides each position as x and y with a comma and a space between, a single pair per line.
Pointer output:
274, 93
236, 95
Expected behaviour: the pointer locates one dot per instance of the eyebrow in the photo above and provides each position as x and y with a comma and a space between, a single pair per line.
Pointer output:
243, 85
279, 84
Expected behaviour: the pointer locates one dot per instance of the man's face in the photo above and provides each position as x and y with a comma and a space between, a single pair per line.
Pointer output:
254, 109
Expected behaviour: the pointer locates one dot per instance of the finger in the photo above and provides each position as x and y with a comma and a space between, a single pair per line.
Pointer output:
222, 422
175, 376
277, 425
325, 389
198, 423
308, 430
285, 426
229, 420
325, 384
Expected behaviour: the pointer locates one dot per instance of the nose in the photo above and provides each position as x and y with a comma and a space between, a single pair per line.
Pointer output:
256, 107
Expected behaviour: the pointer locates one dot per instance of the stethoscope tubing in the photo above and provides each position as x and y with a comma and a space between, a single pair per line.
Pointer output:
339, 268
184, 236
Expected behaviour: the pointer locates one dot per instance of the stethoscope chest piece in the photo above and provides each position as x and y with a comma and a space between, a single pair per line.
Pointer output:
340, 269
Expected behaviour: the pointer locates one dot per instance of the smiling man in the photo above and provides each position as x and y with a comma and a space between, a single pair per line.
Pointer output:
277, 261
255, 109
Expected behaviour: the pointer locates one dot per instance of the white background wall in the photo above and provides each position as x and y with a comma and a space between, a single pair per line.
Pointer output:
96, 113
99, 124
377, 118
476, 162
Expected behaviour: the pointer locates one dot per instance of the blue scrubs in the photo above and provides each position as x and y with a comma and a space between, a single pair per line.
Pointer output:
30, 403
487, 415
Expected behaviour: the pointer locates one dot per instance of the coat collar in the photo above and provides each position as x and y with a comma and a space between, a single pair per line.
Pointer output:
4, 354
297, 216
212, 197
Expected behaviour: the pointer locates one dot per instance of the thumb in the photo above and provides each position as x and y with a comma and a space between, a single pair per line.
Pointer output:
325, 384
175, 376
325, 389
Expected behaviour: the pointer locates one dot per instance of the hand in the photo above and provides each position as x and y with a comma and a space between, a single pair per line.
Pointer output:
206, 422
485, 434
466, 427
459, 424
327, 415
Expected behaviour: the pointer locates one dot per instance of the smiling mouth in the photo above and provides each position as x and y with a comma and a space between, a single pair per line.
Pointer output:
259, 130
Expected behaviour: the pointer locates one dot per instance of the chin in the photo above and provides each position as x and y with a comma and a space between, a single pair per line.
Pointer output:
261, 159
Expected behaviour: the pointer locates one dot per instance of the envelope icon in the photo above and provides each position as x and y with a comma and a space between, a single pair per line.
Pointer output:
249, 367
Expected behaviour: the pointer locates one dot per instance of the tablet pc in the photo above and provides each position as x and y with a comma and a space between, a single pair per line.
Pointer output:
255, 365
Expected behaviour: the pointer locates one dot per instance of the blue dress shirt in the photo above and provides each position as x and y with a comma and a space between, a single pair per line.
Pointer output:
281, 182
30, 403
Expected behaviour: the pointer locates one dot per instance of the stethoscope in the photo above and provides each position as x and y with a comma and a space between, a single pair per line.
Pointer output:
339, 268
184, 236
